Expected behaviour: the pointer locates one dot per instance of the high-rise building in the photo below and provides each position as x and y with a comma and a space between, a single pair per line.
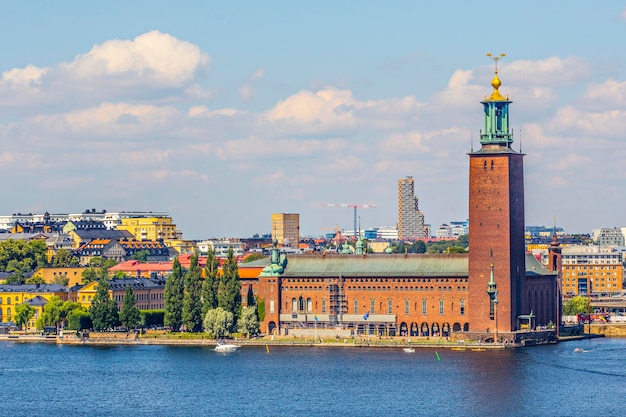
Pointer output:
410, 218
286, 229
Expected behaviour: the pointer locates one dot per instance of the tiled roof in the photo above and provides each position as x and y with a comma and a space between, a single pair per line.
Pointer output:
32, 288
136, 283
133, 266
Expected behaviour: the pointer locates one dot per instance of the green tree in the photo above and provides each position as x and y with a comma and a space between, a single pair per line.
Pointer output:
22, 256
463, 241
418, 247
141, 255
79, 320
173, 297
229, 293
120, 275
24, 312
91, 274
455, 249
248, 323
103, 310
210, 285
253, 257
35, 279
61, 279
575, 305
218, 322
129, 315
62, 258
192, 302
250, 301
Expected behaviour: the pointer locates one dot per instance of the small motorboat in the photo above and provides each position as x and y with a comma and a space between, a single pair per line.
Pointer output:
578, 350
226, 347
409, 350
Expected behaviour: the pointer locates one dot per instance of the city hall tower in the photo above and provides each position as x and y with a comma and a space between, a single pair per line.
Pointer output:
496, 222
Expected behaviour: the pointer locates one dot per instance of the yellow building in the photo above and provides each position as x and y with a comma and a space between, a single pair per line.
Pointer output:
591, 270
379, 246
286, 229
182, 247
74, 275
13, 295
86, 294
150, 228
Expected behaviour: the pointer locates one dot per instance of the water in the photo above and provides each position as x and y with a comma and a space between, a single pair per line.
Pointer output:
51, 380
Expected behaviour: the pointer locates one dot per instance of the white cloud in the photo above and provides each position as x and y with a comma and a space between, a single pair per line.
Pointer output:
112, 119
258, 149
258, 74
151, 58
24, 77
610, 93
152, 65
332, 108
552, 72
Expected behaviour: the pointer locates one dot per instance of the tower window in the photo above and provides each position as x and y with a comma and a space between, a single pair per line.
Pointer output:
484, 165
492, 165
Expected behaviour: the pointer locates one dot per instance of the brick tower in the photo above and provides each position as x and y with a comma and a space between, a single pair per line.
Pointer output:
496, 222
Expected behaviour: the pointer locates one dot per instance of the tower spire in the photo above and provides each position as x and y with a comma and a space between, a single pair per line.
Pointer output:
496, 124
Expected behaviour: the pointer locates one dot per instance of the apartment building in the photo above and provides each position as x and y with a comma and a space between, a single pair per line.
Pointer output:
410, 218
286, 229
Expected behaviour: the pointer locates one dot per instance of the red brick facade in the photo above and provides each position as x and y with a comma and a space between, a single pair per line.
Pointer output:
496, 233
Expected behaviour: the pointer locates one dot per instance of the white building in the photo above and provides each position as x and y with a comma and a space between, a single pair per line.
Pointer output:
220, 247
387, 232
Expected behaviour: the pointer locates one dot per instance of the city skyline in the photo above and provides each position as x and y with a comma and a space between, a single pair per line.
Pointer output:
221, 115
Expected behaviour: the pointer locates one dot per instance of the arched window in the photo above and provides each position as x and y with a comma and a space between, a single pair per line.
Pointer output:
294, 304
301, 304
441, 306
424, 309
389, 306
309, 305
323, 306
372, 306
356, 306
462, 307
407, 306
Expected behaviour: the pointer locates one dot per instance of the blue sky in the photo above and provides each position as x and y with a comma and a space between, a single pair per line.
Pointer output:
223, 113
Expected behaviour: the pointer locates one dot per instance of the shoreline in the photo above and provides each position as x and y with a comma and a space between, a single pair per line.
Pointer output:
133, 340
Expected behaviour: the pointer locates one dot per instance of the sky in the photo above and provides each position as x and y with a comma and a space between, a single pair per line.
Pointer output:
222, 113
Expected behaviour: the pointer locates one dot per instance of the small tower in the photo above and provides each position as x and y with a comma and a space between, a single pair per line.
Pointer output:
496, 220
555, 262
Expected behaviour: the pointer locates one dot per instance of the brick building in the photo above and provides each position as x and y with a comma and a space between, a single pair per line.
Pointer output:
496, 291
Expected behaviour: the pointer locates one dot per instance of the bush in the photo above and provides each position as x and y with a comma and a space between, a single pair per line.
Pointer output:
79, 320
152, 318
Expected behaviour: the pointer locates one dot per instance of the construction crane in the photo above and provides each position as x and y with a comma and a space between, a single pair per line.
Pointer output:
354, 206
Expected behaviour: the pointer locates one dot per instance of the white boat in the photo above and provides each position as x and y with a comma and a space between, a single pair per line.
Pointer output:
578, 350
409, 350
226, 347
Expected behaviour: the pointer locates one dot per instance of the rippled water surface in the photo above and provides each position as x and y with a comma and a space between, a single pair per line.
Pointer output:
51, 380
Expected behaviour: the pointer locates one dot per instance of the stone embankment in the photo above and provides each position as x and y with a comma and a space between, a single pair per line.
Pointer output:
606, 329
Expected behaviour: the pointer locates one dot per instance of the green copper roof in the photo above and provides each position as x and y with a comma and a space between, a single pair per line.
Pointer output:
534, 267
389, 265
377, 265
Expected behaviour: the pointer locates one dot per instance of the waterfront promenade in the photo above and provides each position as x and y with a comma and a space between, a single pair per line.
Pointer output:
187, 339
